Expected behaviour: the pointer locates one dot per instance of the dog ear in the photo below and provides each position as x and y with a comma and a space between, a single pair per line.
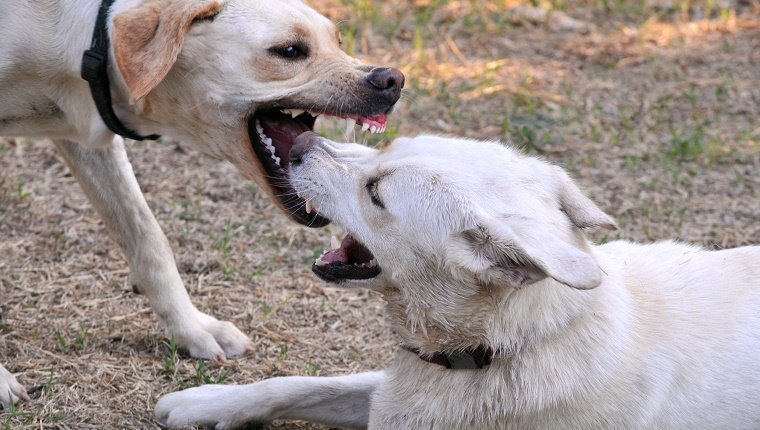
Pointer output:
497, 253
579, 208
148, 38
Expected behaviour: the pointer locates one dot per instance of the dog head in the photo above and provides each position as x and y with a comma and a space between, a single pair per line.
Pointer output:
240, 79
431, 210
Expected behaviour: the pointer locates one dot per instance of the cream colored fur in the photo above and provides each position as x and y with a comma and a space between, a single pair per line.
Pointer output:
480, 245
191, 70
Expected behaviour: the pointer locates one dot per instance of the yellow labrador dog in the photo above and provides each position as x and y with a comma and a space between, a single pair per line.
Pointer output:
237, 79
509, 318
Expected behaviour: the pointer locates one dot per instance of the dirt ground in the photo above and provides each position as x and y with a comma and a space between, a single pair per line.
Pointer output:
655, 111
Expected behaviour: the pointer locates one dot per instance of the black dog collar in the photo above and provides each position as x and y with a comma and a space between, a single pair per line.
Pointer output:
95, 72
476, 358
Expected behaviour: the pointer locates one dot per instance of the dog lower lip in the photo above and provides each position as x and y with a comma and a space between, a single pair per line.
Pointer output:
351, 260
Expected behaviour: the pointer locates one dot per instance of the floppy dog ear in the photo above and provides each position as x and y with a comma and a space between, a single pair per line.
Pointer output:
148, 38
579, 208
497, 253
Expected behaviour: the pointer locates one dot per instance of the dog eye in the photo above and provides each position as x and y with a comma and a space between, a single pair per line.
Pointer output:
290, 52
374, 196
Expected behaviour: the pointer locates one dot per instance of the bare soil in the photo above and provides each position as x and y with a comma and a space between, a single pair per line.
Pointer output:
654, 111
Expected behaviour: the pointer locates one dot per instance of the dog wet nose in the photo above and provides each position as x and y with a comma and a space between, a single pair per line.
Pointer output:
387, 79
304, 143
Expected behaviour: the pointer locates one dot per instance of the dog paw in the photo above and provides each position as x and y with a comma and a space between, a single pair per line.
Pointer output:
203, 336
214, 406
10, 390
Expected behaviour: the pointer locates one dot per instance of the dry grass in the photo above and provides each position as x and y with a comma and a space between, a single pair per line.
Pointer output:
655, 112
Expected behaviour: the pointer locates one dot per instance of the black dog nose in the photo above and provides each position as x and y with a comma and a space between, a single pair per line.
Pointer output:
304, 143
386, 79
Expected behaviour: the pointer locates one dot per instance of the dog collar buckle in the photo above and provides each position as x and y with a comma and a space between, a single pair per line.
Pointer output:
93, 66
462, 360
469, 359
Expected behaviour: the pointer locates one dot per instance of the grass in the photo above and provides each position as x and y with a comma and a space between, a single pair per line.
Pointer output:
176, 370
204, 375
171, 358
75, 342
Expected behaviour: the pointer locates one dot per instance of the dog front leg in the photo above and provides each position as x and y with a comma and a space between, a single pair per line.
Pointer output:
107, 179
338, 401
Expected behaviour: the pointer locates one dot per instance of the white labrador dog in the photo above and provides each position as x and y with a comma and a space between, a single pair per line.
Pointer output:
237, 79
509, 317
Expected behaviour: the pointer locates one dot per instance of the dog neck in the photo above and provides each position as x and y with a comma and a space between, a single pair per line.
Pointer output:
502, 319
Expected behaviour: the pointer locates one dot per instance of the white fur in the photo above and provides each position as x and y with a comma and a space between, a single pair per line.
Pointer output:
223, 72
660, 336
10, 390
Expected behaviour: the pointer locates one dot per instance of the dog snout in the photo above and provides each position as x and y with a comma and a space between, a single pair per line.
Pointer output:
304, 143
387, 80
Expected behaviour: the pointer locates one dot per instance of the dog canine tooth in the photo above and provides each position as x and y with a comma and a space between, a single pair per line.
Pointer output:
309, 207
350, 123
334, 242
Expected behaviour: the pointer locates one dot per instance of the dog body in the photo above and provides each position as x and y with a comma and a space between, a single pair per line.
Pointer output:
236, 79
478, 245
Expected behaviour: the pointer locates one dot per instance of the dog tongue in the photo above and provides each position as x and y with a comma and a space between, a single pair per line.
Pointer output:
350, 251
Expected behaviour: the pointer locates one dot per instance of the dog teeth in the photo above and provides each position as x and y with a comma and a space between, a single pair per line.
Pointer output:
372, 263
373, 128
266, 140
293, 112
319, 261
276, 159
350, 123
309, 207
334, 242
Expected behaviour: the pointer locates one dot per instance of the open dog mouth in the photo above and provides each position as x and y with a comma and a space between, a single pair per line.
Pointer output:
272, 133
346, 260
